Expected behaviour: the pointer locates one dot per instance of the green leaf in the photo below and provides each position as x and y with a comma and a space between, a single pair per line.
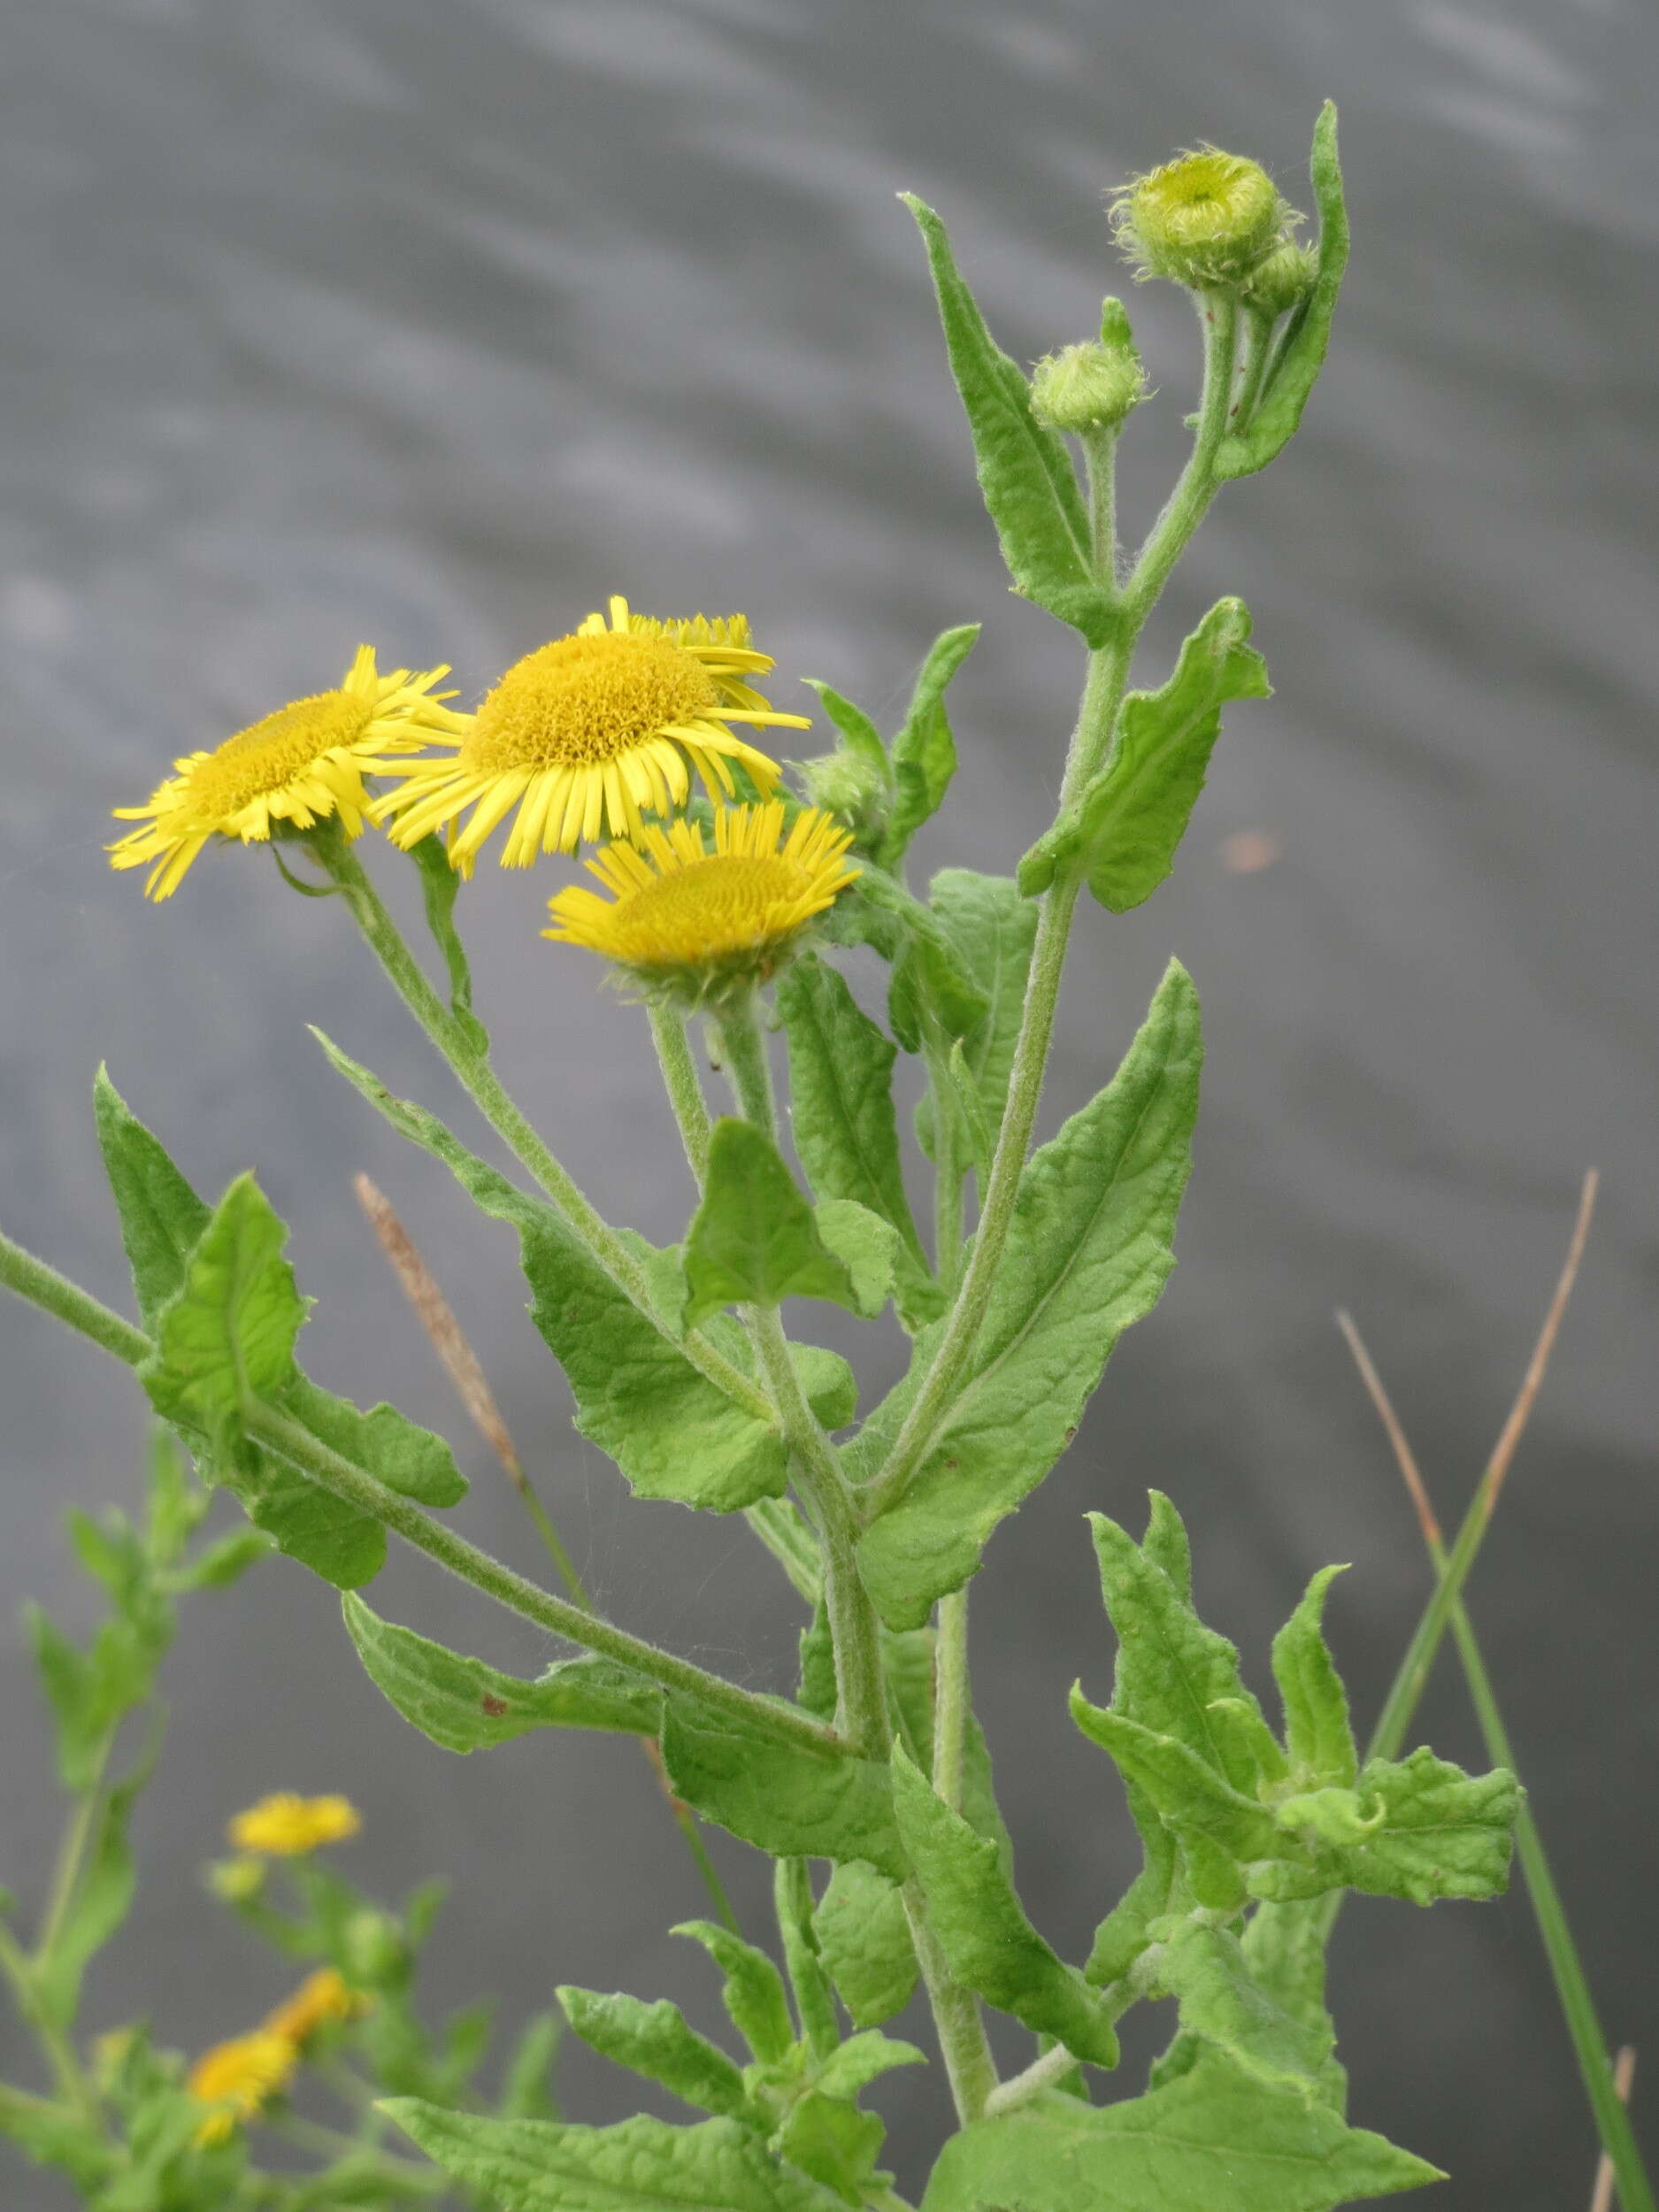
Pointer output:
101, 1901
1166, 1545
345, 1547
841, 1083
641, 2165
51, 2135
992, 929
1087, 1253
464, 1705
161, 1216
923, 751
1025, 472
1423, 1830
830, 1384
225, 1338
863, 1940
930, 980
790, 1801
438, 884
527, 2089
386, 1443
1173, 1671
981, 1927
1127, 1930
754, 1240
1185, 1789
862, 2059
1218, 2137
88, 1691
1318, 1734
225, 1562
861, 734
754, 1992
656, 2041
1284, 1950
1127, 823
1301, 353
638, 1397
1206, 1971
866, 1245
834, 2141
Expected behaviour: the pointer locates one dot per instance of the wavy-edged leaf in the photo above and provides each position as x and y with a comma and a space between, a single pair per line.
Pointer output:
1088, 1251
923, 751
1318, 1734
1218, 2137
1026, 471
981, 1927
863, 1940
754, 1991
657, 2041
641, 2165
225, 1340
464, 1705
754, 1240
793, 1802
439, 885
1127, 823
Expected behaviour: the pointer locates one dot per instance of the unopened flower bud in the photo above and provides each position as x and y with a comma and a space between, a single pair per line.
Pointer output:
1282, 279
1204, 221
1086, 387
373, 1947
847, 784
236, 1880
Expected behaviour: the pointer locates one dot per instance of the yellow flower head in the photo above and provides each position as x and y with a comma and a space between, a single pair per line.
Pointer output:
1203, 219
320, 1998
300, 764
683, 917
595, 729
284, 1825
238, 2079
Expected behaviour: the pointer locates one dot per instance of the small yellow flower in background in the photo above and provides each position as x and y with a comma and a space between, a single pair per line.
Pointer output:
284, 1825
681, 914
320, 1998
590, 732
238, 2079
298, 765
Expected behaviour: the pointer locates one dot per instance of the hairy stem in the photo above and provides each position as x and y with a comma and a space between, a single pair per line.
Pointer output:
969, 2065
1090, 748
73, 1852
55, 2047
861, 1695
42, 1285
483, 1086
684, 1091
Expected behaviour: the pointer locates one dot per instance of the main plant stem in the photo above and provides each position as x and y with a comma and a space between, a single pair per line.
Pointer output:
861, 1696
952, 1700
1090, 749
42, 1285
483, 1086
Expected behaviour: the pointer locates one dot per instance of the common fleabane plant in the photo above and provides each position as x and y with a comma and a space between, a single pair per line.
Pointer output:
724, 899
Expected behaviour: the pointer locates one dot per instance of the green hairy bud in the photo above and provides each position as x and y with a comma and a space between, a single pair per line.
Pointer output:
1087, 387
1203, 220
847, 786
1282, 279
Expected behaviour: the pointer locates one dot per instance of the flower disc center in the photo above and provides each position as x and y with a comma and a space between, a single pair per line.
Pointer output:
725, 903
583, 700
267, 755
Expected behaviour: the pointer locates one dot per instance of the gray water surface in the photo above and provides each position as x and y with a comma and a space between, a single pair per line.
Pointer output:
432, 322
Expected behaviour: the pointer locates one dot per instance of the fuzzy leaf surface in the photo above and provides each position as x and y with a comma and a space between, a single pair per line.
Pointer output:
161, 1216
923, 751
657, 2041
641, 2165
863, 1940
464, 1705
1217, 2140
754, 1991
754, 1241
1221, 2003
1088, 1251
225, 1337
1429, 1831
1296, 368
866, 1245
982, 1928
841, 1082
1026, 471
793, 1803
1318, 1734
1129, 821
439, 885
993, 930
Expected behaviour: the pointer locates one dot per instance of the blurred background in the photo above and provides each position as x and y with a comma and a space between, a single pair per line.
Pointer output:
431, 322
